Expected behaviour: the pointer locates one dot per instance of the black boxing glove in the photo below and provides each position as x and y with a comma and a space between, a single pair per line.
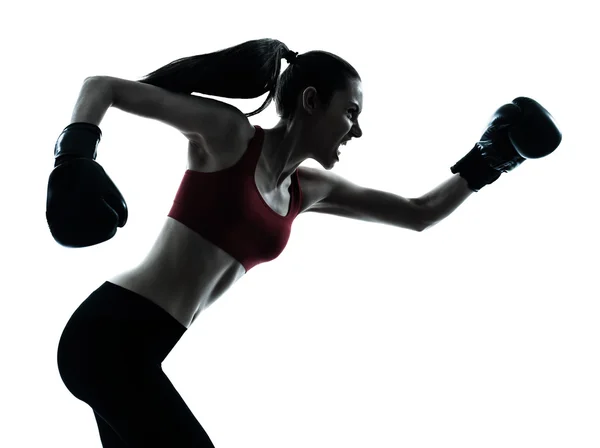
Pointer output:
517, 131
83, 207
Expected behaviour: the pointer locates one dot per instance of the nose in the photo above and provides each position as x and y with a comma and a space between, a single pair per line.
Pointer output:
356, 131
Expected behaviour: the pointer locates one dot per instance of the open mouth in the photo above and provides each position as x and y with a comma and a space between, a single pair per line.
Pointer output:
341, 144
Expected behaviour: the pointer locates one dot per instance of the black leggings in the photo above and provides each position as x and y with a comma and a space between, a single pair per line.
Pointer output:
110, 355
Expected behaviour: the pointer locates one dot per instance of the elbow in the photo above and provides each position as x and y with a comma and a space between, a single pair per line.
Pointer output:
419, 228
425, 216
94, 79
102, 85
422, 225
98, 82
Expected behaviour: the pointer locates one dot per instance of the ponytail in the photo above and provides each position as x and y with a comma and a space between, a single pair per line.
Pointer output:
251, 69
247, 70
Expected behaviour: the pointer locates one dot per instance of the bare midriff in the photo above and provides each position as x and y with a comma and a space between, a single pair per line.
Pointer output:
184, 273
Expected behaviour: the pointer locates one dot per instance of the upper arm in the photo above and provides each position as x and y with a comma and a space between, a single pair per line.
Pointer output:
332, 194
201, 120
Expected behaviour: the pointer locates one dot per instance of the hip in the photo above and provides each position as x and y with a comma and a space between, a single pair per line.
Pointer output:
115, 322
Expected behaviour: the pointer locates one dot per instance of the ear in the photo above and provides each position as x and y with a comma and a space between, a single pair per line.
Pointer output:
310, 100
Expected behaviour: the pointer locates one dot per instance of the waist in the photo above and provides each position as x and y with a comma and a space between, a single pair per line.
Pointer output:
183, 273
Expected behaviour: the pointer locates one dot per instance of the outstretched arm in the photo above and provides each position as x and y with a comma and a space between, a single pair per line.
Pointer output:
518, 130
329, 193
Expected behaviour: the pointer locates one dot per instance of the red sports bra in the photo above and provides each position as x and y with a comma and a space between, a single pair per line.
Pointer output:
226, 208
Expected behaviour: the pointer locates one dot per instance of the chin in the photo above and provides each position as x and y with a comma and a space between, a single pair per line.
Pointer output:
328, 163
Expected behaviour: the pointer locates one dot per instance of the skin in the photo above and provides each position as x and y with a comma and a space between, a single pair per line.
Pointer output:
184, 273
315, 132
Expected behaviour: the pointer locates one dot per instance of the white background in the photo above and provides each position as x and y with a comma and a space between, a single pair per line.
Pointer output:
479, 332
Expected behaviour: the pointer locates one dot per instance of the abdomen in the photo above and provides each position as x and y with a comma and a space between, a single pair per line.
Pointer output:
183, 272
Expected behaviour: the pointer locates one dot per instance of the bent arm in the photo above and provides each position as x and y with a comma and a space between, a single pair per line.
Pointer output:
95, 98
202, 120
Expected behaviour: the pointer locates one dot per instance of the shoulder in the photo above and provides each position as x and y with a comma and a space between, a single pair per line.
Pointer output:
232, 139
315, 184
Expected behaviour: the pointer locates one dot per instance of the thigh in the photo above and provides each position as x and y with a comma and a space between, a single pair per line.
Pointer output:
143, 409
110, 356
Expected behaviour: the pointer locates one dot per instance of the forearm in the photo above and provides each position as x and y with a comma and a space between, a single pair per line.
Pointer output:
444, 199
94, 100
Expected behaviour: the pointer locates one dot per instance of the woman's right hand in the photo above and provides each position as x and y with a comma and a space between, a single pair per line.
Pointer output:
84, 207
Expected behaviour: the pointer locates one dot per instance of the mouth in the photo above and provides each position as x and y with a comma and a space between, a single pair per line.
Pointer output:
343, 143
340, 145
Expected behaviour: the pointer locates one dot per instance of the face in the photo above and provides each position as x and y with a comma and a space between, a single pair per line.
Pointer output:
336, 124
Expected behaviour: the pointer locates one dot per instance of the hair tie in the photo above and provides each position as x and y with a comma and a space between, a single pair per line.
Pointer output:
290, 56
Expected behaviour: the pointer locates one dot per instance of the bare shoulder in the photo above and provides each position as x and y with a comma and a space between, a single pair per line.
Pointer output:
206, 122
316, 185
326, 192
231, 141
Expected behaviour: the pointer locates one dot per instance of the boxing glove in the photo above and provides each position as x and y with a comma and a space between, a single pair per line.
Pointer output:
83, 206
517, 131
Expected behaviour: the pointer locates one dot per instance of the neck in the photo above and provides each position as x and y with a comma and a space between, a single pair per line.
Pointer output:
283, 152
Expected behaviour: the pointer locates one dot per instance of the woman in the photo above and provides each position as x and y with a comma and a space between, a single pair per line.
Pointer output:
234, 209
